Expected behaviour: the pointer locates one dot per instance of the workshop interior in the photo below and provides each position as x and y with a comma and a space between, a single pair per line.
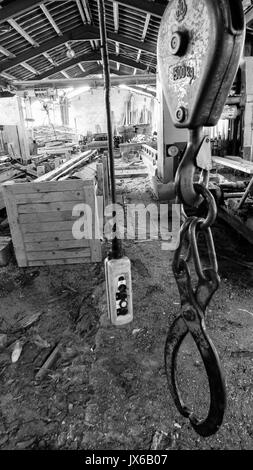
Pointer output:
126, 225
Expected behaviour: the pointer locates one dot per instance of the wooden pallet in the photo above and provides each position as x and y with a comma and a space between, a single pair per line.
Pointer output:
41, 222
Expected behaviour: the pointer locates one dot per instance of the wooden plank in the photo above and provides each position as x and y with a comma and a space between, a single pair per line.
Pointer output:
47, 227
54, 262
16, 233
86, 173
8, 175
46, 217
95, 245
62, 254
46, 207
48, 236
51, 197
243, 165
66, 166
131, 174
57, 245
100, 179
130, 167
51, 186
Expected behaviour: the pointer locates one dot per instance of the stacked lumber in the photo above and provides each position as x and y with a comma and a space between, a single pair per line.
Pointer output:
8, 171
43, 134
69, 167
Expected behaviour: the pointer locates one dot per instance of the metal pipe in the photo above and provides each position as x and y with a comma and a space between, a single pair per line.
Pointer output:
116, 245
250, 186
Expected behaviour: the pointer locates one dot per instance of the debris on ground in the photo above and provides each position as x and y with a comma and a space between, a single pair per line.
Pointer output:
108, 389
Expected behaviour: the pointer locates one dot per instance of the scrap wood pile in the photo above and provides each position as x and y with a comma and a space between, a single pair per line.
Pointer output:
43, 134
11, 169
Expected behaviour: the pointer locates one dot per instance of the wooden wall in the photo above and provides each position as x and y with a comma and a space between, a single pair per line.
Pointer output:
40, 218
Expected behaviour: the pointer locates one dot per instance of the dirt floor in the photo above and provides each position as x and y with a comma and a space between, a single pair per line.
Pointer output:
108, 390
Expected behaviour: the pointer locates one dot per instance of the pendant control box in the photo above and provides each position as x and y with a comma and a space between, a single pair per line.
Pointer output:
119, 290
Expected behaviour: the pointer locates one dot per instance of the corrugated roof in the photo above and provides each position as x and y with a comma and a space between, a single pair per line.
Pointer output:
35, 36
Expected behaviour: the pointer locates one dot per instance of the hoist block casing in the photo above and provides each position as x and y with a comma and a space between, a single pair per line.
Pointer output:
200, 44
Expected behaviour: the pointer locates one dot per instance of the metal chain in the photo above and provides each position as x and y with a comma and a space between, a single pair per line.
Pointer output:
194, 301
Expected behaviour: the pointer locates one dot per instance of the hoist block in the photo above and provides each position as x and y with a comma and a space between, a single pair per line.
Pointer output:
200, 44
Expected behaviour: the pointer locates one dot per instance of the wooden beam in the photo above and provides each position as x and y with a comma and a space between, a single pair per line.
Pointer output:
249, 16
80, 8
94, 57
47, 56
146, 25
144, 46
50, 19
65, 74
18, 8
92, 82
81, 68
70, 63
22, 32
86, 10
116, 16
128, 62
84, 33
7, 53
15, 8
29, 68
145, 6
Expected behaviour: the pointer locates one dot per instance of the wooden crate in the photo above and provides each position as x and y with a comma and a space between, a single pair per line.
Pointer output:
40, 218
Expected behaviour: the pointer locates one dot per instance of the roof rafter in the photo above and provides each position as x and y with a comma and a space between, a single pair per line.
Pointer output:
153, 8
249, 16
86, 10
116, 16
83, 33
49, 58
29, 68
50, 19
80, 8
81, 67
64, 73
94, 57
22, 32
7, 53
126, 61
17, 8
146, 47
146, 25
